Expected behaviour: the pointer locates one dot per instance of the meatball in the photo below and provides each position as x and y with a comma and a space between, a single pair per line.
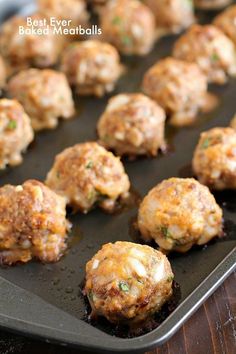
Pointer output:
92, 67
179, 213
129, 25
2, 74
225, 21
15, 132
88, 175
211, 4
210, 49
32, 222
214, 161
127, 282
74, 10
24, 50
132, 124
172, 16
179, 87
45, 95
233, 122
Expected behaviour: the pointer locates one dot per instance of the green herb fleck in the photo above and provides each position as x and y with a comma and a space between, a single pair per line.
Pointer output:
12, 125
92, 194
117, 20
205, 144
165, 232
106, 138
177, 243
170, 278
126, 40
124, 286
89, 164
215, 57
90, 295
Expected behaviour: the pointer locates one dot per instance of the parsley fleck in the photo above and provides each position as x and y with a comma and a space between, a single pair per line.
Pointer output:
117, 20
92, 195
170, 278
126, 40
165, 232
215, 57
205, 144
106, 138
89, 164
12, 125
90, 295
124, 286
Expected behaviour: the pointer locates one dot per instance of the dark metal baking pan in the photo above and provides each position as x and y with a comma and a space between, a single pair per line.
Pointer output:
44, 300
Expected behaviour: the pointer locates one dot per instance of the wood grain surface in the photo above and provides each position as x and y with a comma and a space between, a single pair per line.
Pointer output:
211, 330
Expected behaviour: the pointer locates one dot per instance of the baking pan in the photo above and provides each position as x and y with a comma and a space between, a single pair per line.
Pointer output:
45, 300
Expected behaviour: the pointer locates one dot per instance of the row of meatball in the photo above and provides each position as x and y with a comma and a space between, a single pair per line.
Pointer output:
154, 5
131, 125
177, 213
130, 25
204, 54
125, 282
127, 24
179, 84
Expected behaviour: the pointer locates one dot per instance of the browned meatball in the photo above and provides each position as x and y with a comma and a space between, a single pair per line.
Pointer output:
44, 94
88, 175
32, 223
24, 50
127, 282
129, 25
92, 67
210, 49
211, 4
214, 161
226, 22
15, 132
172, 16
132, 124
2, 74
178, 213
179, 87
74, 10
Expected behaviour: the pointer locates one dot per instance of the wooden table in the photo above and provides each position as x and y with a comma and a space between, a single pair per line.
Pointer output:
211, 330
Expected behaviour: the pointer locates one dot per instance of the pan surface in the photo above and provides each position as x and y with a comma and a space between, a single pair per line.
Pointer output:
45, 300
